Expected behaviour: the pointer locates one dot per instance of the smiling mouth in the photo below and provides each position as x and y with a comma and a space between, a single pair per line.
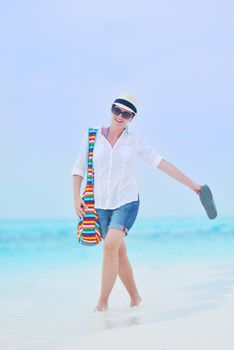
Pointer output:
118, 121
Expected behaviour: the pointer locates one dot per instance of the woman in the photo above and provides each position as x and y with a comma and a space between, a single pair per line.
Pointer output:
115, 191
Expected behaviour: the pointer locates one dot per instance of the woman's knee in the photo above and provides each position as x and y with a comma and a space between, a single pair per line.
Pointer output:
122, 251
113, 240
110, 247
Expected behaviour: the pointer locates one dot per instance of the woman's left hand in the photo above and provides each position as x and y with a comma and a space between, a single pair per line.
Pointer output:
196, 187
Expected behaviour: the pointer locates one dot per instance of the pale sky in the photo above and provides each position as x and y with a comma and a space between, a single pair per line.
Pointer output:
62, 64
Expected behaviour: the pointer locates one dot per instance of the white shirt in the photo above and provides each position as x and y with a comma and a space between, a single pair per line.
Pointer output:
114, 175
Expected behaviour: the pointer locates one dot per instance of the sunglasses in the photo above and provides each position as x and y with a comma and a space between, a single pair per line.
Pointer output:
125, 114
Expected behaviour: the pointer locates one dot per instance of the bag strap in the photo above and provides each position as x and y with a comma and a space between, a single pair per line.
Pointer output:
90, 171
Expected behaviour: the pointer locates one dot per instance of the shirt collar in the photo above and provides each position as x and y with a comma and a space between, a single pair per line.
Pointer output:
103, 126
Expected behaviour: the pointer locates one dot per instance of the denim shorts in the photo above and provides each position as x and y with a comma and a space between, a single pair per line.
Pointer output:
121, 218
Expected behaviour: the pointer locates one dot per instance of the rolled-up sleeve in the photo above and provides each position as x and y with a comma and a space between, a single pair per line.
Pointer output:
81, 162
148, 153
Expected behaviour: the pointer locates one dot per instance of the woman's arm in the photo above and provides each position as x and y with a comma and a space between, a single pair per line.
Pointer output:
77, 180
78, 201
78, 173
171, 170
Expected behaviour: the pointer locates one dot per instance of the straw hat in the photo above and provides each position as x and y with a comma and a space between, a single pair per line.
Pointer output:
127, 101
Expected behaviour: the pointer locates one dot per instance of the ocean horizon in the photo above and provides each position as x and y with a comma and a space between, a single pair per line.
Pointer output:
157, 239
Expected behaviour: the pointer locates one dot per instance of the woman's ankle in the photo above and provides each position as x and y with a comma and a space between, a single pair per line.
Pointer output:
103, 300
102, 305
135, 301
134, 295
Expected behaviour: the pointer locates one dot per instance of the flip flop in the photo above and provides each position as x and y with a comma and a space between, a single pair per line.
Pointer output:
207, 201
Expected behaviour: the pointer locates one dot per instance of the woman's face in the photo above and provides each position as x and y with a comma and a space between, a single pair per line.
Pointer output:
118, 119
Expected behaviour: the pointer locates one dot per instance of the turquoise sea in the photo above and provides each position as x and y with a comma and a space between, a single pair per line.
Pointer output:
36, 243
50, 283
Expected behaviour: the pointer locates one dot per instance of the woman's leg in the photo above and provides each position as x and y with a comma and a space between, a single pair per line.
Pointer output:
110, 265
126, 275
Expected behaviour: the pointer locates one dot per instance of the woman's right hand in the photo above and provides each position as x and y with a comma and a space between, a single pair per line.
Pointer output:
80, 207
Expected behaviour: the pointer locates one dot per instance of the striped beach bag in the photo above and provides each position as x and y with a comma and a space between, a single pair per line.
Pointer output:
88, 228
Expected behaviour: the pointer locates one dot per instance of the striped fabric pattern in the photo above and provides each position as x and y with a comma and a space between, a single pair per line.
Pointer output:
88, 227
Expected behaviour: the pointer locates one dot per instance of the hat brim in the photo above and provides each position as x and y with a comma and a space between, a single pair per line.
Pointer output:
124, 107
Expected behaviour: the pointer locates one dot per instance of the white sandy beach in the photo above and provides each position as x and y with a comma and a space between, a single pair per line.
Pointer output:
207, 329
185, 306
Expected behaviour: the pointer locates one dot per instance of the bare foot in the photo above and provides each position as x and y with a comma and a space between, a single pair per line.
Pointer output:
135, 301
101, 306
